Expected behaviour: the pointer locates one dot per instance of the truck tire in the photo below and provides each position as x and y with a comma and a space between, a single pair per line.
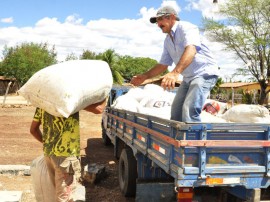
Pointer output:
105, 138
127, 172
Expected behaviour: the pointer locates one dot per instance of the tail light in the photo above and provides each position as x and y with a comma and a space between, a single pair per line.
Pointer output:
184, 194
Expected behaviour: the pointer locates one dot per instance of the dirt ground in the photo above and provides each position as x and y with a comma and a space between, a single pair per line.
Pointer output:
18, 147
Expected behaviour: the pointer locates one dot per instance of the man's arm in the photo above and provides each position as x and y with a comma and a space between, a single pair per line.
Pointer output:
154, 71
97, 108
186, 59
169, 79
35, 131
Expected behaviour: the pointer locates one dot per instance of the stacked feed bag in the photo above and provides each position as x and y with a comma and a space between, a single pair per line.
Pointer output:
126, 102
155, 101
137, 93
245, 113
157, 104
151, 100
68, 87
210, 118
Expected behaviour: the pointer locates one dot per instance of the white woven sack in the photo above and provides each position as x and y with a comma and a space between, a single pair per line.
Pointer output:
68, 87
137, 93
162, 112
43, 187
153, 90
209, 118
158, 102
162, 99
126, 102
245, 113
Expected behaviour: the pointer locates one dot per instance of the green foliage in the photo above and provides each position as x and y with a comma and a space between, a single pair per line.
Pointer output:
133, 66
246, 98
88, 55
246, 32
123, 67
112, 59
71, 56
22, 61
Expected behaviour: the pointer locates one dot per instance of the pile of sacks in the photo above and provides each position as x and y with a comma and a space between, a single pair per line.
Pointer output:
153, 100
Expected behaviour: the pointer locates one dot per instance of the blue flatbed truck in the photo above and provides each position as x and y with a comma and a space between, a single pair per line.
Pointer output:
165, 160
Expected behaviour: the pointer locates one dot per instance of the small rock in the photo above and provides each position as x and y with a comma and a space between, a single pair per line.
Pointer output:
27, 172
111, 162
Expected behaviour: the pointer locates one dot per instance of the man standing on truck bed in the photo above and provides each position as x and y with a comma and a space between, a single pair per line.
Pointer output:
193, 60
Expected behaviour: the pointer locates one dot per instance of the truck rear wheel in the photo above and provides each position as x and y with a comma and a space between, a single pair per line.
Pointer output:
127, 172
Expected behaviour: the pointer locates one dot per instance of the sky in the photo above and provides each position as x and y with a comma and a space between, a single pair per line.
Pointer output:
72, 26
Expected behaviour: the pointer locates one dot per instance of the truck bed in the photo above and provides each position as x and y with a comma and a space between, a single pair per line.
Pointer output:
197, 154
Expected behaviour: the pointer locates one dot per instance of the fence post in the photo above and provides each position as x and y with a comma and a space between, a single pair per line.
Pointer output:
7, 92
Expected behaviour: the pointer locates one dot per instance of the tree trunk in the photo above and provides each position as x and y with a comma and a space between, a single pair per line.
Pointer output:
263, 92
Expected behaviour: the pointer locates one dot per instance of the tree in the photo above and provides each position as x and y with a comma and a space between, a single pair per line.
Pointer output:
133, 66
88, 55
22, 61
71, 56
246, 31
112, 59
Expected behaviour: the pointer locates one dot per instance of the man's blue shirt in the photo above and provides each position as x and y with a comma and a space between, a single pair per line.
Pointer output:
185, 34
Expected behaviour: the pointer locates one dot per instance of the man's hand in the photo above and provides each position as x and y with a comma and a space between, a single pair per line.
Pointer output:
169, 80
138, 79
97, 108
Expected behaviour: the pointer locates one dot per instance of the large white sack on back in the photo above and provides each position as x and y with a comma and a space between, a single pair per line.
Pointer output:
65, 88
43, 186
126, 102
245, 113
